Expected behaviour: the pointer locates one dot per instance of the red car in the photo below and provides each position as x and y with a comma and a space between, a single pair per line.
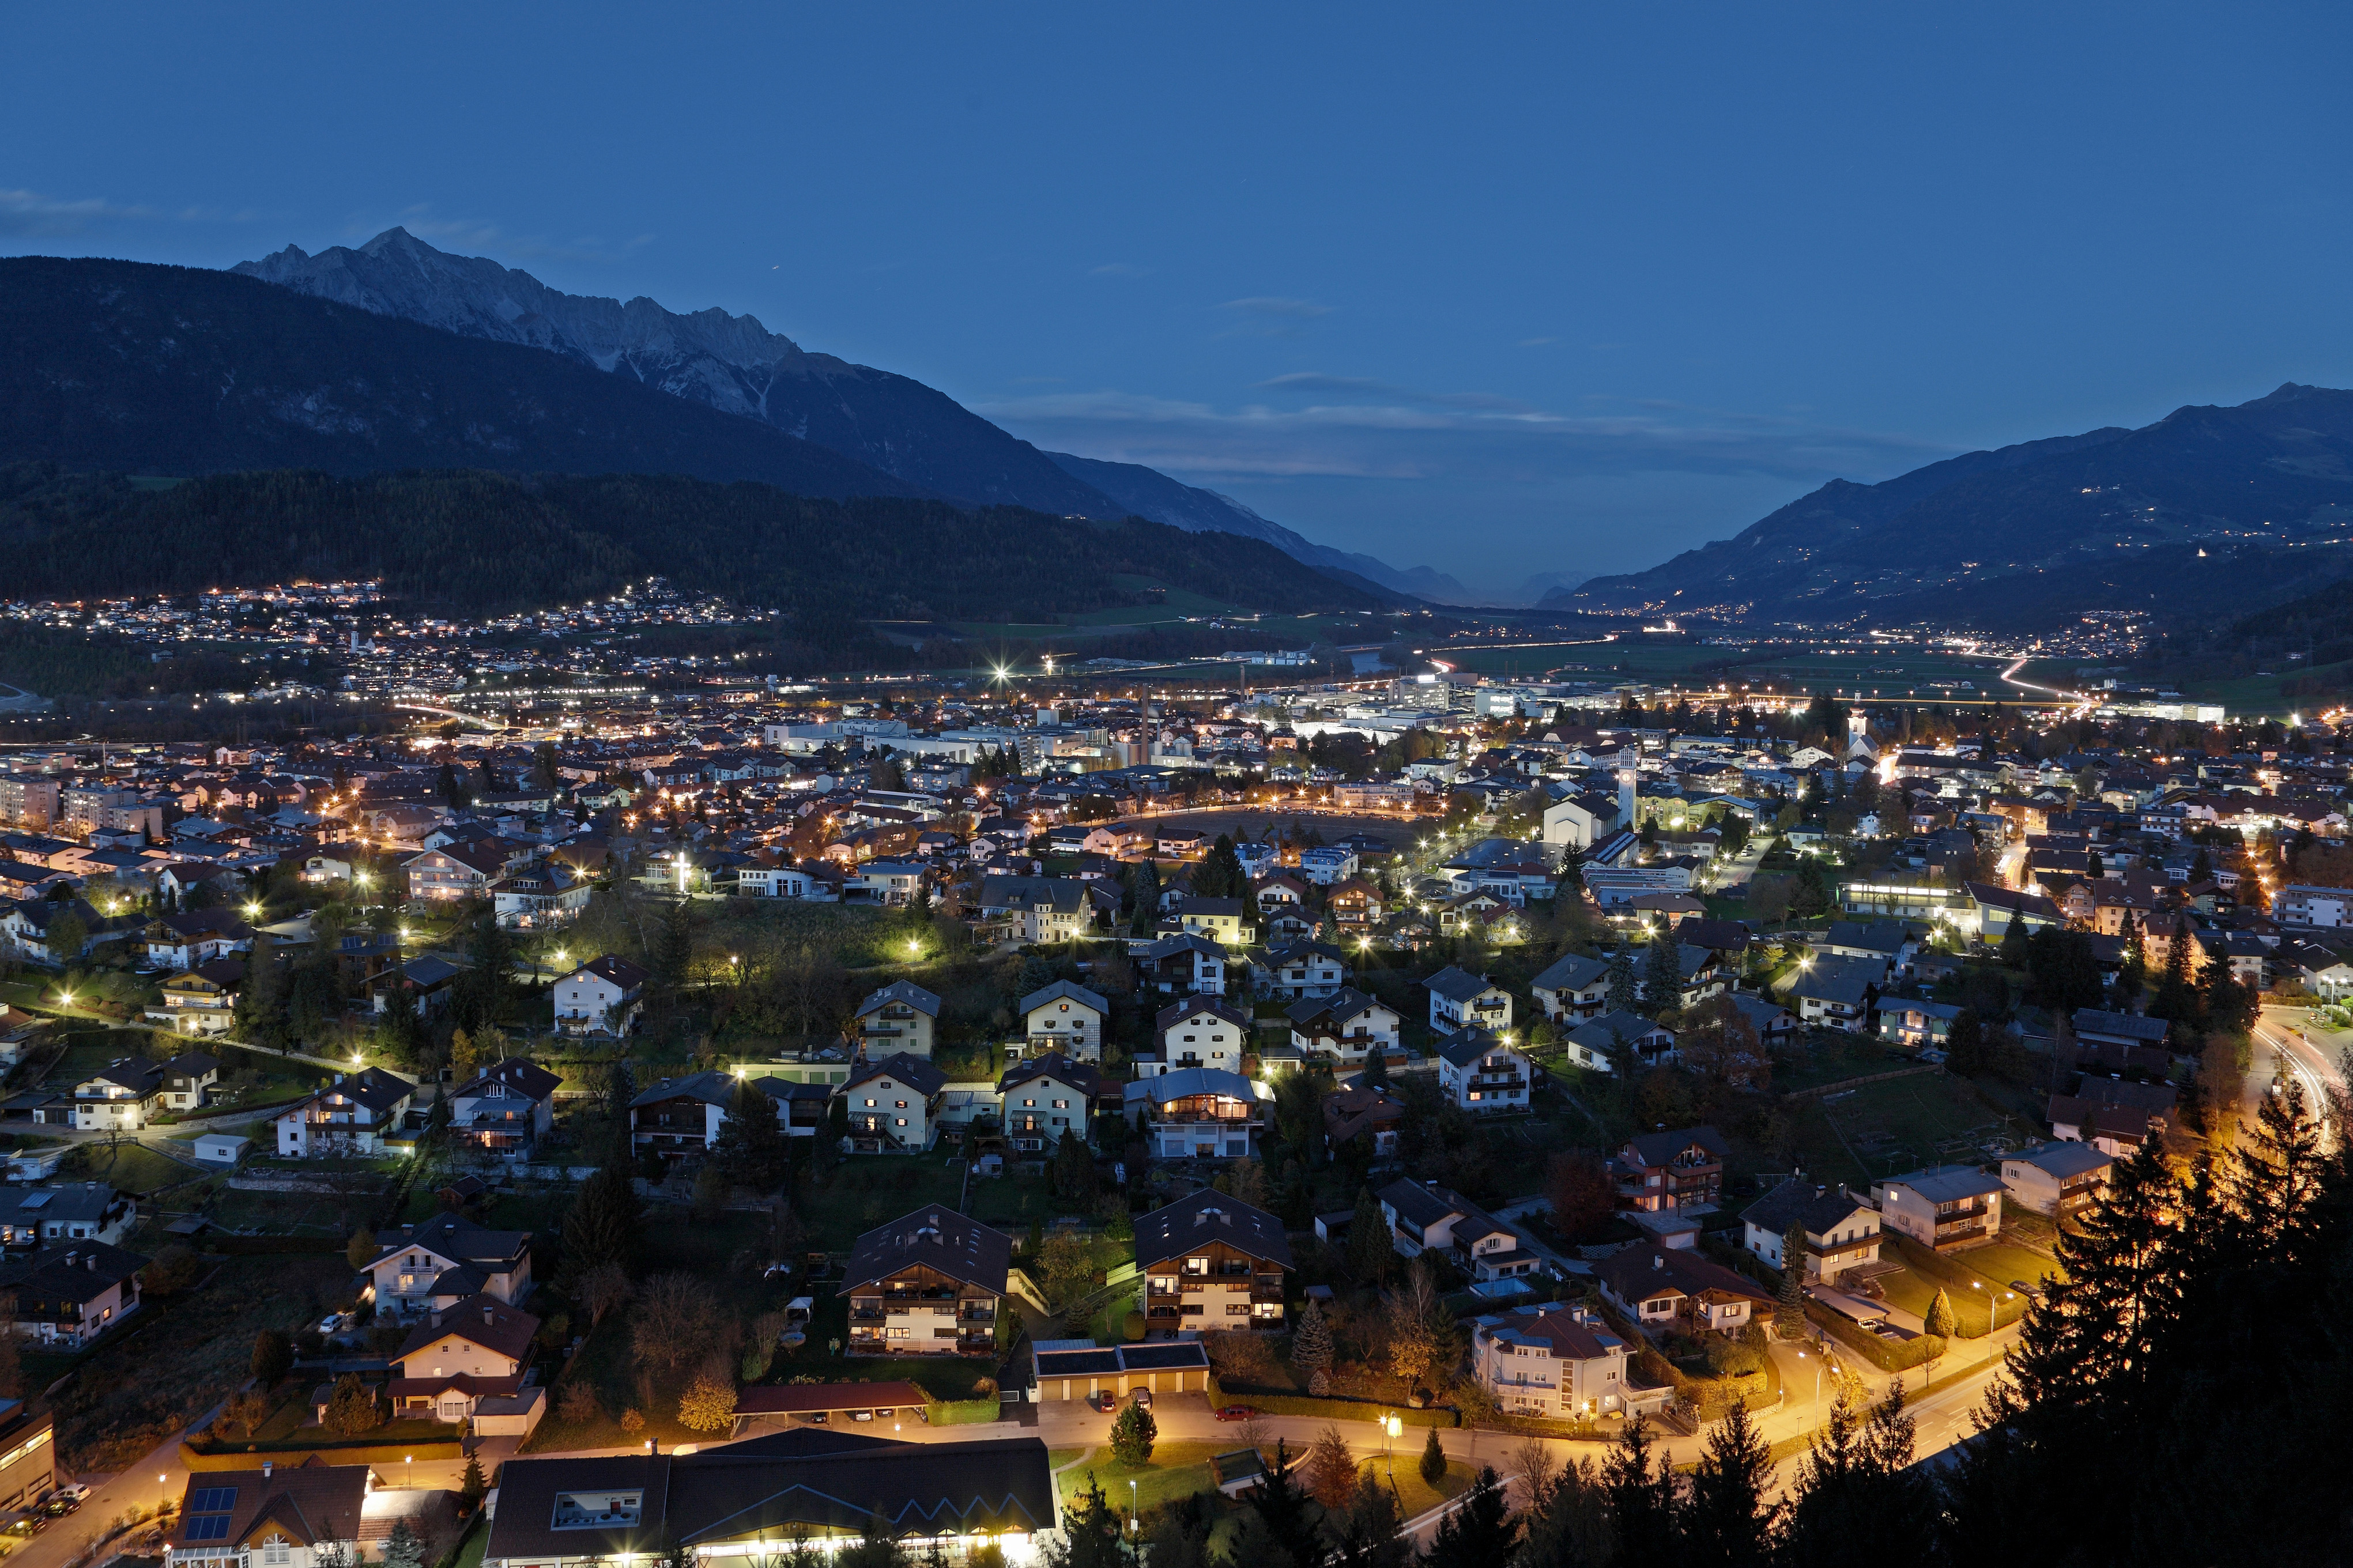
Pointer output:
1105, 1402
1236, 1413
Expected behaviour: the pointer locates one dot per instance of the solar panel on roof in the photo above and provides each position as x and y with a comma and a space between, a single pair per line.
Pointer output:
206, 1527
213, 1499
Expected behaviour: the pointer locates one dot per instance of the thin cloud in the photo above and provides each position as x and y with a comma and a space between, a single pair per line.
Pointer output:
1536, 342
1278, 305
1351, 431
30, 213
1119, 269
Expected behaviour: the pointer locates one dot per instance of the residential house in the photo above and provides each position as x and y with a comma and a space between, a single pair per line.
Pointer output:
1663, 1289
203, 1001
1656, 1171
1202, 1113
1842, 1228
474, 1350
1606, 1043
2057, 1179
2112, 1115
120, 1097
892, 883
455, 871
1198, 1034
351, 1116
66, 1294
272, 1516
1305, 969
506, 1110
1225, 921
426, 981
928, 1283
1043, 1098
2094, 1027
894, 1105
1342, 1026
1771, 1021
434, 1265
1572, 987
1368, 1112
1271, 895
194, 937
1425, 1218
1326, 865
1943, 1207
78, 1211
1482, 1074
1035, 910
778, 883
1909, 1021
1210, 1261
1184, 964
897, 1020
188, 1078
1460, 1001
679, 1117
1065, 1017
1356, 904
28, 1455
603, 996
1836, 993
540, 896
1557, 1363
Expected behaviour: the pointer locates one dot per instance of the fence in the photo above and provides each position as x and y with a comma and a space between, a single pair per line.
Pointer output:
1847, 1083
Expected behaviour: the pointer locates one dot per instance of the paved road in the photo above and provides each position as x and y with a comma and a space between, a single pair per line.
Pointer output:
2281, 1029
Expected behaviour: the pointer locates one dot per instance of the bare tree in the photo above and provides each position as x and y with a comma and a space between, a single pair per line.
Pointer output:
603, 1288
677, 1322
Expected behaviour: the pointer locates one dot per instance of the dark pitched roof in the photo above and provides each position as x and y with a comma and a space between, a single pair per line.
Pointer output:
1635, 1273
1176, 1011
1456, 985
619, 971
1056, 1065
69, 1271
459, 1239
905, 991
1821, 1208
913, 1072
1657, 1148
310, 1503
484, 1320
1192, 1223
710, 1087
516, 1075
937, 1237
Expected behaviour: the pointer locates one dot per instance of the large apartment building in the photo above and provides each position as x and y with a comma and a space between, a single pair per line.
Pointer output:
928, 1283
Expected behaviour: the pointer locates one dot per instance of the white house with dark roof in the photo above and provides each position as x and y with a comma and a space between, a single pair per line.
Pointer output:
506, 1109
1305, 969
897, 1020
1459, 1000
1664, 1288
434, 1265
894, 1105
473, 1349
928, 1283
603, 996
1201, 1113
1199, 1032
271, 1516
1572, 987
1423, 1217
1344, 1026
1483, 1076
2057, 1179
1065, 1017
1040, 1100
1841, 1227
120, 1097
1943, 1207
351, 1116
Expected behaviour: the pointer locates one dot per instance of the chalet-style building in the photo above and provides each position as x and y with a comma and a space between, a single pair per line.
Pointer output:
432, 1266
1656, 1171
1305, 969
1198, 1033
2058, 1179
928, 1283
1574, 986
280, 1516
506, 1110
1356, 904
1182, 965
1342, 1026
897, 1021
1200, 1114
1461, 1001
1482, 1074
1556, 1362
1366, 1110
68, 1293
1662, 1288
188, 1079
203, 1001
1211, 1261
192, 937
477, 1349
1425, 1218
120, 1097
455, 871
353, 1115
1944, 1206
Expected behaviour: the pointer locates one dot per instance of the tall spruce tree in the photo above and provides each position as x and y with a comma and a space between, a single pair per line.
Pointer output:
1729, 1519
1370, 1254
1481, 1531
1789, 1300
751, 1150
1641, 1501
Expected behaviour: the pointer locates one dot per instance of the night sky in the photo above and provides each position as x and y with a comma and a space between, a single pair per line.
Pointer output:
1505, 290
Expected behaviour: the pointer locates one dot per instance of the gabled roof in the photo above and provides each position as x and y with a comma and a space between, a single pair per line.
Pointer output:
1456, 985
2063, 1159
1656, 1149
69, 1271
480, 1320
459, 1239
1060, 990
516, 1075
1570, 972
711, 1087
1947, 1183
1186, 1082
310, 1504
905, 992
373, 1088
614, 971
1554, 1329
913, 1072
1177, 1012
936, 1237
1467, 1045
1637, 1273
1192, 1223
1055, 1066
1822, 1209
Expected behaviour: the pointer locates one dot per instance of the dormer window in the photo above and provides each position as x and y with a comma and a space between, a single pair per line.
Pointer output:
274, 1551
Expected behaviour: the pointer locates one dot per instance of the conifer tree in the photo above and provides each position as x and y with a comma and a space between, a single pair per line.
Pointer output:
1662, 973
1433, 1460
1939, 1320
1642, 1503
1310, 1342
1481, 1531
1622, 996
1370, 1253
1729, 1521
750, 1149
1789, 1301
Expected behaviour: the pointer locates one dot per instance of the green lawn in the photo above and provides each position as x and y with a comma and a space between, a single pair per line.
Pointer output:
1414, 1495
129, 1167
1880, 1129
1174, 1471
2000, 1263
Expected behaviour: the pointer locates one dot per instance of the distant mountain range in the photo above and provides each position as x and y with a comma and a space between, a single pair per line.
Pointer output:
889, 422
2209, 512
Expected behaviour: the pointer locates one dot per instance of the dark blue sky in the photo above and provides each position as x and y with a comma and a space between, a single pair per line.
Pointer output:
1506, 290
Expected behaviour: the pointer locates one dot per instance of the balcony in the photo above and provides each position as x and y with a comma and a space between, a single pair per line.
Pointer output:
1508, 1081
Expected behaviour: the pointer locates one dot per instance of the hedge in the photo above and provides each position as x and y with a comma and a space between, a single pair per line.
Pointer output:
1887, 1355
1332, 1409
1968, 1286
286, 1458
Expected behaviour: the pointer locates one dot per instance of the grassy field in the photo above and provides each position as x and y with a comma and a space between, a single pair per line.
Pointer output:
129, 1167
1880, 1129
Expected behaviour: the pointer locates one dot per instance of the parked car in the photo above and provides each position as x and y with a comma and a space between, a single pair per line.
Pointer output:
1142, 1399
1105, 1402
1235, 1412
73, 1489
334, 1322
